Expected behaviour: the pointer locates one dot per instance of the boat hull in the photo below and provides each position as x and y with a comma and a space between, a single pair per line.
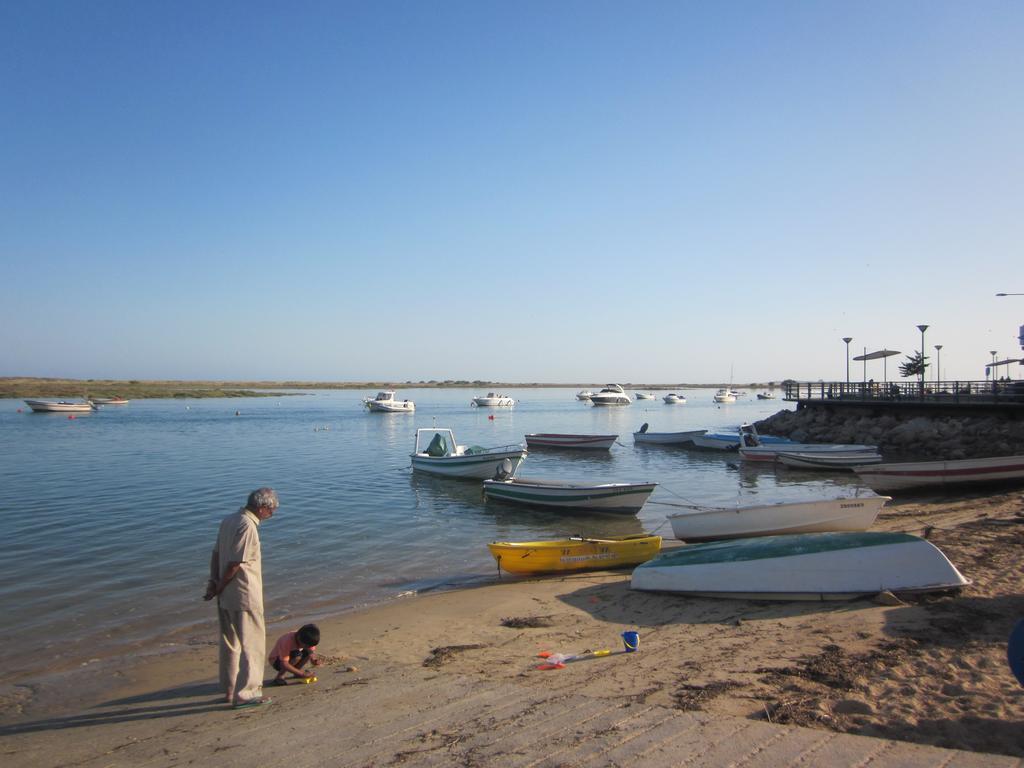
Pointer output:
612, 498
406, 406
852, 514
824, 461
576, 554
668, 438
552, 440
931, 474
494, 402
770, 452
49, 406
476, 466
816, 566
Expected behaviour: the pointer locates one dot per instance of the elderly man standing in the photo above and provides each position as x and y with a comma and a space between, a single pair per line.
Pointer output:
236, 580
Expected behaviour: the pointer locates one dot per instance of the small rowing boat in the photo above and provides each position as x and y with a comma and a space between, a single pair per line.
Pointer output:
928, 474
576, 553
614, 498
554, 440
58, 406
827, 461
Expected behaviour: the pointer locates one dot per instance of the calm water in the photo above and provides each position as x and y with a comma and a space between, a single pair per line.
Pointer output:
109, 518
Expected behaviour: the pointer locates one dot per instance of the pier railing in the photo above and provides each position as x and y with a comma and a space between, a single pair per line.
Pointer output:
908, 391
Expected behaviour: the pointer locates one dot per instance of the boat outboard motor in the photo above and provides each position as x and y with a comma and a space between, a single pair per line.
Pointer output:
643, 428
504, 470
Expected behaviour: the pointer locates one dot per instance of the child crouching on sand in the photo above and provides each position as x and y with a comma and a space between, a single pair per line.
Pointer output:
292, 650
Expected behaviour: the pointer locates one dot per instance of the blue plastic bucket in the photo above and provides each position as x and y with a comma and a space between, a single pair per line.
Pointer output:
631, 640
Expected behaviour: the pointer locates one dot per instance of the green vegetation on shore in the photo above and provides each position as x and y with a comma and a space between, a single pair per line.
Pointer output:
31, 387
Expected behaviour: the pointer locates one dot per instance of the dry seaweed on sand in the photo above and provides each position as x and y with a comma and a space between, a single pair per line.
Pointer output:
442, 655
690, 697
527, 622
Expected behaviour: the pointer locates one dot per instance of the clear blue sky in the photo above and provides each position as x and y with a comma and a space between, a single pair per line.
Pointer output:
569, 191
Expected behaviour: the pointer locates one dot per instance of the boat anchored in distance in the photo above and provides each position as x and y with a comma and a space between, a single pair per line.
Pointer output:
673, 399
385, 402
586, 394
724, 396
436, 452
611, 394
109, 401
492, 400
59, 406
643, 395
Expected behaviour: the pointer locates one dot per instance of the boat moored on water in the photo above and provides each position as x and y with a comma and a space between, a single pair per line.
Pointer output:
577, 553
493, 400
808, 566
674, 399
59, 406
554, 440
754, 447
586, 394
612, 394
901, 476
614, 498
724, 396
643, 395
827, 461
436, 452
385, 402
705, 523
108, 401
765, 395
666, 438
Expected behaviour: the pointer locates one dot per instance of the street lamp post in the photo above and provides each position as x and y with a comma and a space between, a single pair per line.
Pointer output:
847, 339
922, 329
993, 365
938, 365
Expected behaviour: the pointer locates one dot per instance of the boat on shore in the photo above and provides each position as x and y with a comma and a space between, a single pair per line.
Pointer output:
436, 452
808, 566
613, 498
555, 440
385, 402
666, 438
827, 461
59, 406
611, 394
703, 523
577, 553
493, 400
911, 475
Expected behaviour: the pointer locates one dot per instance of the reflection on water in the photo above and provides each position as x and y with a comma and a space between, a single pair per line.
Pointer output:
109, 520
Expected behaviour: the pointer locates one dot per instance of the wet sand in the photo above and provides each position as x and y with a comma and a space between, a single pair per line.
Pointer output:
451, 678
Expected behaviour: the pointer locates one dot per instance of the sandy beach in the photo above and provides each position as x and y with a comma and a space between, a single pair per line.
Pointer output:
450, 678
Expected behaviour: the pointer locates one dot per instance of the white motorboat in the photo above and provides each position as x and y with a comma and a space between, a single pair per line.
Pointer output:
643, 396
553, 440
59, 406
493, 400
612, 394
435, 451
936, 474
666, 438
673, 399
615, 498
586, 394
808, 566
724, 396
385, 402
827, 461
754, 447
701, 523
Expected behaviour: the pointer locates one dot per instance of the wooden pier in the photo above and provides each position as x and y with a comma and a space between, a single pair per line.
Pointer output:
1002, 396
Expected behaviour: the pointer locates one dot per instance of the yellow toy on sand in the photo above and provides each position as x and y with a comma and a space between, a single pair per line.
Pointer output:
574, 554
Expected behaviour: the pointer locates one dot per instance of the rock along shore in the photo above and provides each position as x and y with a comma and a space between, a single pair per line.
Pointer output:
903, 436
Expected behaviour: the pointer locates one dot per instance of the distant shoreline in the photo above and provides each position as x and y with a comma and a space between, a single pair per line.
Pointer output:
27, 386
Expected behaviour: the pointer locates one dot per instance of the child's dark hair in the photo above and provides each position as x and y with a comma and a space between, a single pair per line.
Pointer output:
308, 635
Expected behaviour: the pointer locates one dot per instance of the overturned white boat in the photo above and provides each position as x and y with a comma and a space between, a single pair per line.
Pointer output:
713, 523
437, 453
810, 566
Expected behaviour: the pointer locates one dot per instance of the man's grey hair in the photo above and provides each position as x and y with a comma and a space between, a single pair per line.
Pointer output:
262, 497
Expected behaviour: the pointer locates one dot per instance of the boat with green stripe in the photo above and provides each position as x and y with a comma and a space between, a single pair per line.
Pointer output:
436, 452
615, 498
809, 566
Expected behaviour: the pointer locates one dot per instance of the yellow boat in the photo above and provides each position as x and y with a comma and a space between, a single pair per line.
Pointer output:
574, 554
